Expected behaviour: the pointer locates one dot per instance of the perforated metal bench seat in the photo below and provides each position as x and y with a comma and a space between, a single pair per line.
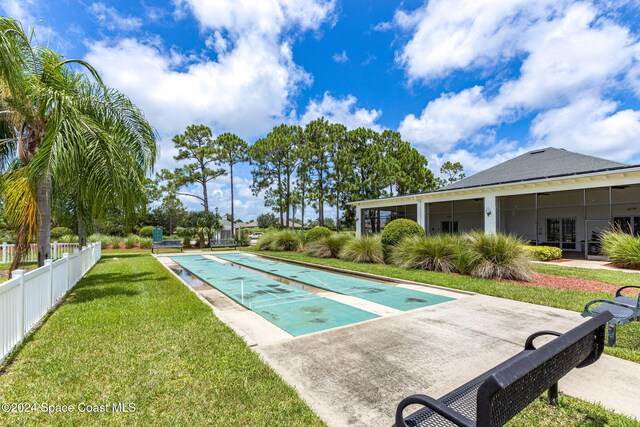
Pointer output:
496, 396
625, 309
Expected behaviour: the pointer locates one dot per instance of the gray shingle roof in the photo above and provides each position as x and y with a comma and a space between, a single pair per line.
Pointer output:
536, 164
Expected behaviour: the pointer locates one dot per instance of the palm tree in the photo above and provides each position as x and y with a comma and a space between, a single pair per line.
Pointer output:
67, 130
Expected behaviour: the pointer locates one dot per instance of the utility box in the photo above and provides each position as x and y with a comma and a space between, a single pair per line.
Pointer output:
157, 234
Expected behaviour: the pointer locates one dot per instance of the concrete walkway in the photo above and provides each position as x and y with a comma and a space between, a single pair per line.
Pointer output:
583, 263
357, 375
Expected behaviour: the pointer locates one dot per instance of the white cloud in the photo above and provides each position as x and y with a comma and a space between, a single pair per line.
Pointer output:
570, 51
340, 57
449, 119
269, 17
111, 19
342, 111
26, 11
590, 125
454, 34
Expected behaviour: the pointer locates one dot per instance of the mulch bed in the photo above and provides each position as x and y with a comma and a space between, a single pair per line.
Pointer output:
561, 282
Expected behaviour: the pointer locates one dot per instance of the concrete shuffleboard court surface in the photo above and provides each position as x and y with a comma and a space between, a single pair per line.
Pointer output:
296, 311
389, 295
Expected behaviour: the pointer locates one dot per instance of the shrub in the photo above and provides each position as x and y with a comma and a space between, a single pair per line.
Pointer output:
433, 253
399, 229
265, 241
544, 253
145, 243
327, 247
131, 240
500, 256
241, 237
58, 232
286, 240
114, 241
622, 249
68, 238
317, 233
364, 249
146, 231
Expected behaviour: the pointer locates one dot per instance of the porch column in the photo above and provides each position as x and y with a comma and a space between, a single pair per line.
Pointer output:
358, 221
421, 217
490, 215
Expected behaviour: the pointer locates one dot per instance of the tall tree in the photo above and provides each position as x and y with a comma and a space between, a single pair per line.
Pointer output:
232, 150
341, 157
406, 169
197, 147
52, 117
275, 159
316, 166
453, 172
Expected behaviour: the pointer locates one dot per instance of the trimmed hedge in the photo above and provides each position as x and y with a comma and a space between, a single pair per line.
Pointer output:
399, 229
146, 231
545, 253
317, 233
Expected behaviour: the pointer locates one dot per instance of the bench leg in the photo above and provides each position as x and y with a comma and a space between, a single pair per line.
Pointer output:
611, 334
553, 395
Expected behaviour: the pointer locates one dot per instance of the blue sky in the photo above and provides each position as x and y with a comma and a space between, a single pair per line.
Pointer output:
471, 81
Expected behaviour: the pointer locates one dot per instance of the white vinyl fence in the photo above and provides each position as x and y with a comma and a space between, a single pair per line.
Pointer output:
26, 298
57, 251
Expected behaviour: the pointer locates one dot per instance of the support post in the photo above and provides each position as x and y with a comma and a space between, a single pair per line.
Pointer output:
553, 395
358, 221
4, 252
490, 215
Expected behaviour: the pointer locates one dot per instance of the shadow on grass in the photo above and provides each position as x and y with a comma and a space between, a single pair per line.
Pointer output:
82, 295
97, 279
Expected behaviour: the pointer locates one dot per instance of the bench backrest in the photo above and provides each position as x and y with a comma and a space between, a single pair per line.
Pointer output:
510, 389
168, 243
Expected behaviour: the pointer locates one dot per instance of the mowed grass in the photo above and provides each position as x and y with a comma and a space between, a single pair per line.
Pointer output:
132, 333
628, 342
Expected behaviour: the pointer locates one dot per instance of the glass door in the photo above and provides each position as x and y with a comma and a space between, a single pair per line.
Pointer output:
568, 233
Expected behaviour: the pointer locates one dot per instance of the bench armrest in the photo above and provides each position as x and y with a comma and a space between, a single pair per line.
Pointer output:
619, 292
528, 345
436, 406
587, 307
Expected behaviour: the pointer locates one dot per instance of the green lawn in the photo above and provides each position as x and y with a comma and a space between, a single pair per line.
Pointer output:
628, 344
130, 332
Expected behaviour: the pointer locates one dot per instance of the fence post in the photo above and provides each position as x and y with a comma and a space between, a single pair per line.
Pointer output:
49, 263
78, 261
4, 252
55, 251
65, 257
21, 319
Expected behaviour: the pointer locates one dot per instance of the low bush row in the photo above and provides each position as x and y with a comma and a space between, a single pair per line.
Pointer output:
476, 254
544, 253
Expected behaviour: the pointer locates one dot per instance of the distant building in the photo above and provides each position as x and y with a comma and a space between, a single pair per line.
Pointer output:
549, 197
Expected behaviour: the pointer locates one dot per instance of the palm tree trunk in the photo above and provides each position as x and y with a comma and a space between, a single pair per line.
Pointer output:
232, 216
82, 231
43, 200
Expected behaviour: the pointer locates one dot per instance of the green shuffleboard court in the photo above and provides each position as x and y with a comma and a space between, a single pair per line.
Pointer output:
295, 311
391, 296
